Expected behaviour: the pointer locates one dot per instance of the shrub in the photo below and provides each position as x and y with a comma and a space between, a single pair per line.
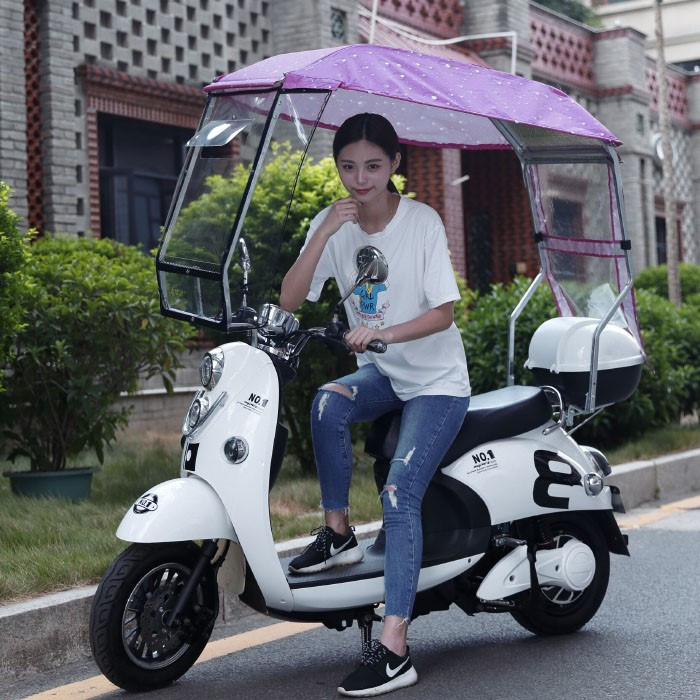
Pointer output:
655, 279
670, 383
13, 253
482, 319
92, 326
318, 186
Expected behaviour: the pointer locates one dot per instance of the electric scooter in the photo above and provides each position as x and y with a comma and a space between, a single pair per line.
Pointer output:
518, 517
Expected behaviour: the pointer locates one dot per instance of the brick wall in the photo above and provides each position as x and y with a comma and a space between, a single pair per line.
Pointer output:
496, 195
443, 18
170, 42
429, 173
13, 123
59, 113
489, 16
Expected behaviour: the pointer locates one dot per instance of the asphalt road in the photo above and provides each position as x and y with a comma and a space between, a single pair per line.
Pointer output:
643, 643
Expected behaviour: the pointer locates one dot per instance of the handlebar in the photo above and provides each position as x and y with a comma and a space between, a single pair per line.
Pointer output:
336, 332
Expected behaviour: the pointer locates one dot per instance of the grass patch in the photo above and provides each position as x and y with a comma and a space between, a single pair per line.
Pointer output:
656, 443
52, 544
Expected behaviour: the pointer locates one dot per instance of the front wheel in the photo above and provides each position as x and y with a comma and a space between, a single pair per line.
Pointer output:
558, 611
131, 638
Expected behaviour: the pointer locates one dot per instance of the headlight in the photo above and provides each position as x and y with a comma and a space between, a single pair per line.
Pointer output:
211, 368
206, 370
195, 414
200, 411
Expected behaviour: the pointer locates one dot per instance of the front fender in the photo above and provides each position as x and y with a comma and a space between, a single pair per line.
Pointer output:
177, 510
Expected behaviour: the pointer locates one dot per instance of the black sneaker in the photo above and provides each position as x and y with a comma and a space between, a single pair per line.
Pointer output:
380, 671
327, 550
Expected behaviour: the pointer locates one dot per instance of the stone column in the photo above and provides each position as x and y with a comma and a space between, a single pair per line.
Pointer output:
493, 16
59, 118
619, 65
694, 116
303, 25
13, 117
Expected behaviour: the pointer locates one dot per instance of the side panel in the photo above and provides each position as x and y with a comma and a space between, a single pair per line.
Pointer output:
534, 474
175, 511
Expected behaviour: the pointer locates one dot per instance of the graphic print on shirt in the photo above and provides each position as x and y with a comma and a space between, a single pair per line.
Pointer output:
366, 302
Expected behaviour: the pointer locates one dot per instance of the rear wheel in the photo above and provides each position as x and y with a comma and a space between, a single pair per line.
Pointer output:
557, 610
131, 640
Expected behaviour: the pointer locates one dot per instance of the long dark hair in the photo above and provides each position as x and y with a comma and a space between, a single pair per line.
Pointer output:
368, 127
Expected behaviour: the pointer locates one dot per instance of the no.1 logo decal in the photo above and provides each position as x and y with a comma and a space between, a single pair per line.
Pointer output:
146, 504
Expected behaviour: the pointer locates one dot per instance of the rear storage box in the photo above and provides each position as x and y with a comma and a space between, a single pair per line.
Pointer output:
560, 356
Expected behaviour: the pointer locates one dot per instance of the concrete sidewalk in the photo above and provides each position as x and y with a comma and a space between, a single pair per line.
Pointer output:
50, 631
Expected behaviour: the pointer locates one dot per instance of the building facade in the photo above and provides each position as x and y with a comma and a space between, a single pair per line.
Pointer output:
98, 98
679, 19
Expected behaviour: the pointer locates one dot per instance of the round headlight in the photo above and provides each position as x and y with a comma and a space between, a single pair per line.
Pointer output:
194, 414
211, 368
206, 369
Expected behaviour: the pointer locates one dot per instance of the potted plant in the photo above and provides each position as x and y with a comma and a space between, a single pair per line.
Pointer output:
91, 328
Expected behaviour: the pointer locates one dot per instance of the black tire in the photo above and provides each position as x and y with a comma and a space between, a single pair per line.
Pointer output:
131, 644
559, 611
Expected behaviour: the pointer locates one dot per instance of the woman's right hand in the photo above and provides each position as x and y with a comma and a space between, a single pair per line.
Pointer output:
341, 212
297, 281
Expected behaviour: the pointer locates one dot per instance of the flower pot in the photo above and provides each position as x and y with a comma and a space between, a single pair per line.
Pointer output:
72, 484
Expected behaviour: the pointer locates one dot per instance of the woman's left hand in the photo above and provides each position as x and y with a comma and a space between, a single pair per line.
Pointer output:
360, 337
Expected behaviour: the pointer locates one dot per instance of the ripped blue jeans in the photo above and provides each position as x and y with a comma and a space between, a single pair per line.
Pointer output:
429, 424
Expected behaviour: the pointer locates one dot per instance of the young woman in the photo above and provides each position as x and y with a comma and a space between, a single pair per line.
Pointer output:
424, 372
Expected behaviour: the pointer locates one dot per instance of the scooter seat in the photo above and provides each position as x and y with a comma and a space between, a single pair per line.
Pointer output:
495, 415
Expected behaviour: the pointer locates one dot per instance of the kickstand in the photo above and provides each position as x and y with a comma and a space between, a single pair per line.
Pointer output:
364, 622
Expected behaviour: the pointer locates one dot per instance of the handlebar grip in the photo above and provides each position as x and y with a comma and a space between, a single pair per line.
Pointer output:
378, 346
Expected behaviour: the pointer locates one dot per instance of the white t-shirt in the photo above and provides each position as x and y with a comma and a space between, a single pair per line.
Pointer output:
420, 278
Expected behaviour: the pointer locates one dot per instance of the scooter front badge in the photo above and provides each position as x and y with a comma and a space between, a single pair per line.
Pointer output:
146, 504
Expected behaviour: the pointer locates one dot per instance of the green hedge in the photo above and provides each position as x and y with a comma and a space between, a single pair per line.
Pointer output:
13, 255
670, 383
655, 279
482, 319
91, 327
317, 187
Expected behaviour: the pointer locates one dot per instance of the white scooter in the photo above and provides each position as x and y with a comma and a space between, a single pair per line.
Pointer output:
515, 500
518, 517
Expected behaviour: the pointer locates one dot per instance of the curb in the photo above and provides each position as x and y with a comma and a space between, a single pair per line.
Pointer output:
47, 632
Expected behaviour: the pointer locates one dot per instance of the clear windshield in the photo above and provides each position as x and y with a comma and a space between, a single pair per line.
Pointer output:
226, 194
577, 216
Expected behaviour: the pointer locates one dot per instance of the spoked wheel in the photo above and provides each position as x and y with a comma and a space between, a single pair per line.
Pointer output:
560, 611
133, 640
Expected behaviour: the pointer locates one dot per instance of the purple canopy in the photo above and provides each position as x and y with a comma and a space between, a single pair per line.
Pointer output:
452, 103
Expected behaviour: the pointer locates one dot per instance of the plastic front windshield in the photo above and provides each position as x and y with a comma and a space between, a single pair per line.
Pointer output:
577, 215
223, 206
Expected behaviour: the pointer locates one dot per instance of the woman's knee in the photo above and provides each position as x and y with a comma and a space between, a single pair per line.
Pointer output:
340, 389
326, 397
402, 490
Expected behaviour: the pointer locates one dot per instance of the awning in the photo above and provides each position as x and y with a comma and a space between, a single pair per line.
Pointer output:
386, 36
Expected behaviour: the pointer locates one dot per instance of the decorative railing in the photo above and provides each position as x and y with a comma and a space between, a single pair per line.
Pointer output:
441, 18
